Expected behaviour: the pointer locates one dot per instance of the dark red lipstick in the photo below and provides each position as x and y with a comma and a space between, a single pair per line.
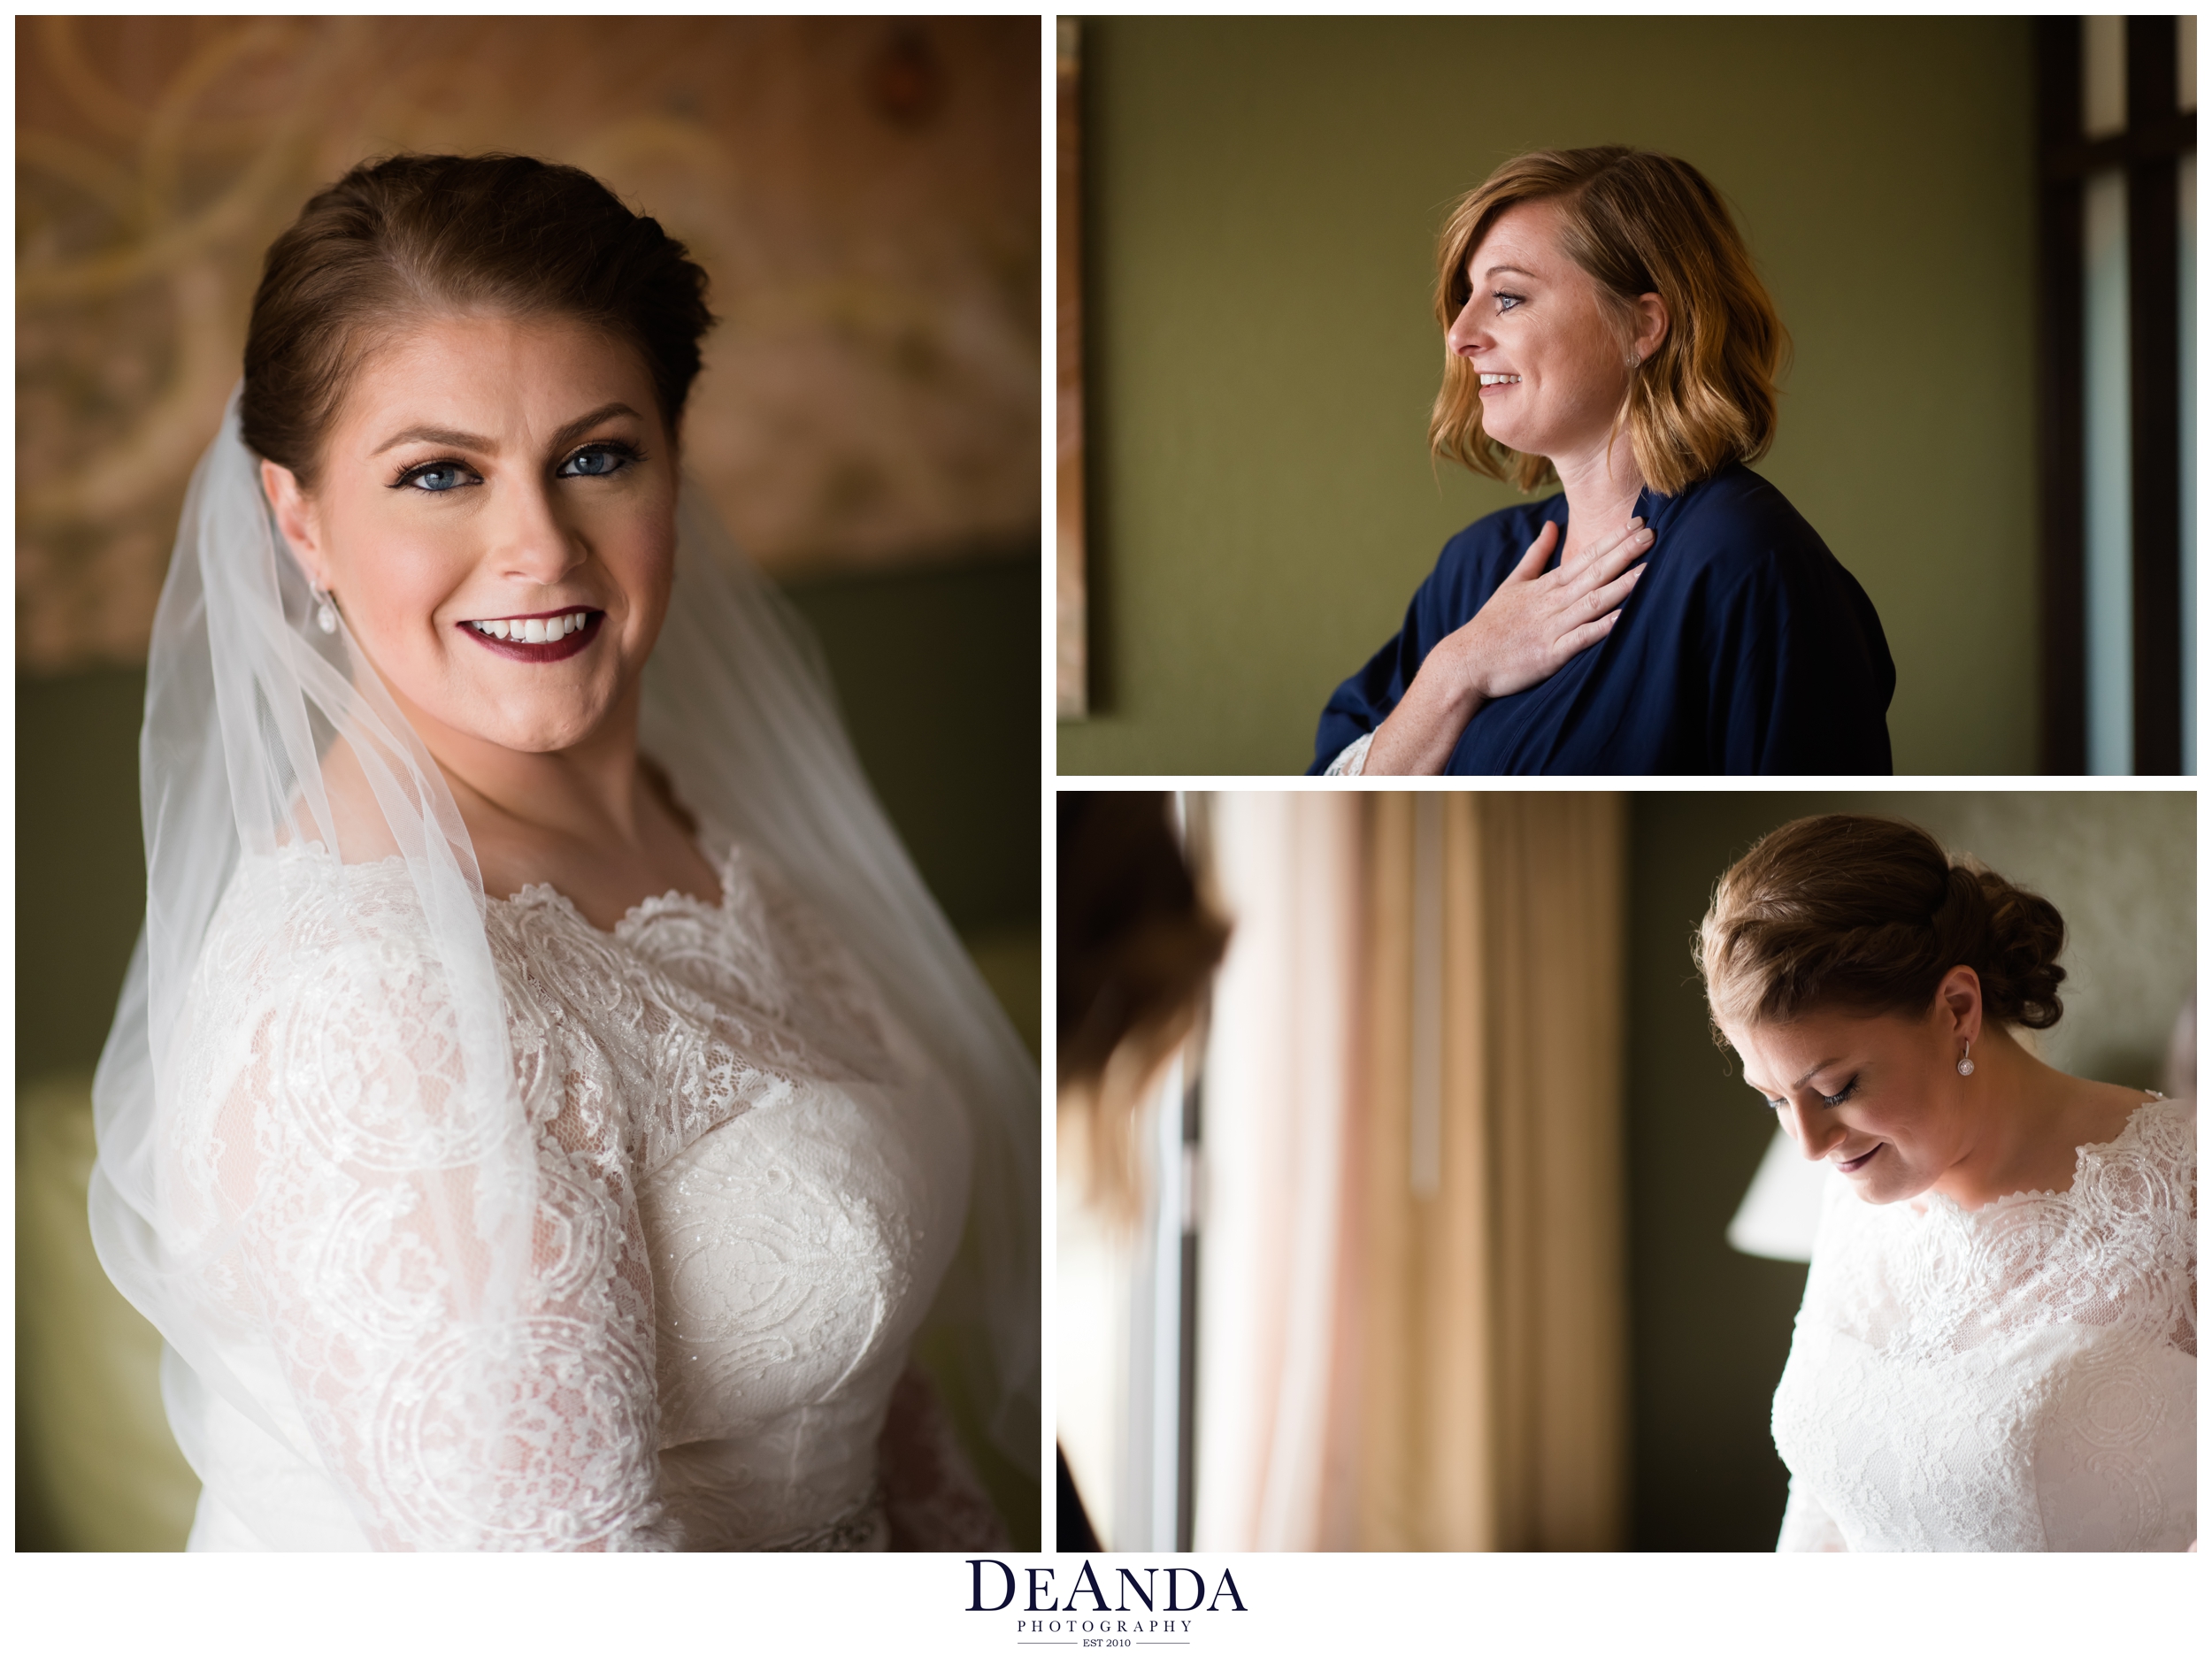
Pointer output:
556, 649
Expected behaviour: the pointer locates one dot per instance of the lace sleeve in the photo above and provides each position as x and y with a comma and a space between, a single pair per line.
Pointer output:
1353, 759
329, 1155
2184, 1337
1807, 1527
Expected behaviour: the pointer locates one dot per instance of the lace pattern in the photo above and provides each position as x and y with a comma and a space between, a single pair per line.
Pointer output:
1352, 761
2019, 1378
747, 1185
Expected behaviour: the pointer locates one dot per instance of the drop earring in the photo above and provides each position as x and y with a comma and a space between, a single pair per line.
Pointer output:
1966, 1060
326, 611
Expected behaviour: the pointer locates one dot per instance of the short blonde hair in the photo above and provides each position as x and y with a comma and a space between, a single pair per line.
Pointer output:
1637, 223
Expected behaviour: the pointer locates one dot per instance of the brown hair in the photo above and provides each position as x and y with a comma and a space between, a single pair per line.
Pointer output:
413, 233
1637, 223
1138, 943
1868, 915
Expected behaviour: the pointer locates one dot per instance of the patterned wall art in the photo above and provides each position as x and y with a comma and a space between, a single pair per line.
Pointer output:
861, 191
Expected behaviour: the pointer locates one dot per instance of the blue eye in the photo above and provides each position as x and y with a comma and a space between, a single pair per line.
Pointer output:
600, 460
1506, 301
436, 478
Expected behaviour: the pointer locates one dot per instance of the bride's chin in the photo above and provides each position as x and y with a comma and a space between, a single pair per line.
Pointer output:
543, 732
1883, 1193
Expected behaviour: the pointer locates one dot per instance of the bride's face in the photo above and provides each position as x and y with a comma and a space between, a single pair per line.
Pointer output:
1878, 1099
495, 517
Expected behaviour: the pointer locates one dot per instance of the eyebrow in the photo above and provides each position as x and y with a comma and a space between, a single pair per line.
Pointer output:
446, 436
1509, 270
1800, 1080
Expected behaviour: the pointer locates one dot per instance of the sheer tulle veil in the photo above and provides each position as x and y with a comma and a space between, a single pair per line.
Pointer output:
246, 696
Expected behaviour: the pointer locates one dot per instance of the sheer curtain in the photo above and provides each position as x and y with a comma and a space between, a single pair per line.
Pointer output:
1412, 1318
1276, 1220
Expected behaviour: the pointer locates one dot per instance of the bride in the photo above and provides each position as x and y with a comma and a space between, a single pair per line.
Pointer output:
545, 1111
1997, 1349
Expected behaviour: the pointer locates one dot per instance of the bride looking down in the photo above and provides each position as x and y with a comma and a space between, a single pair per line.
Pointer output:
545, 1109
1997, 1349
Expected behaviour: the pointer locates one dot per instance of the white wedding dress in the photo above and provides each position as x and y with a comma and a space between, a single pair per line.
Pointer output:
2021, 1378
748, 1192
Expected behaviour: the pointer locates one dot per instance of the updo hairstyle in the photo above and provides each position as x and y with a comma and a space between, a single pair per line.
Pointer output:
411, 237
1636, 223
1866, 915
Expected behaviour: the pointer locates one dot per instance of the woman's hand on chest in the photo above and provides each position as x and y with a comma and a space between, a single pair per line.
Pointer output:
1539, 620
1535, 623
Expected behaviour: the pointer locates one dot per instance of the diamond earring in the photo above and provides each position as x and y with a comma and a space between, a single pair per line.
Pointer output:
1966, 1060
326, 611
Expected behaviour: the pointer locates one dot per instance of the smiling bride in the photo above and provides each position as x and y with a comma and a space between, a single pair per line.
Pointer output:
1997, 1350
546, 1110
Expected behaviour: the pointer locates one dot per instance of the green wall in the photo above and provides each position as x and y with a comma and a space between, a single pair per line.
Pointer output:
1262, 199
1711, 1327
942, 713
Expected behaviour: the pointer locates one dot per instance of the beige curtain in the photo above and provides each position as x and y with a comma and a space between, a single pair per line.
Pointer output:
1493, 1341
1411, 1308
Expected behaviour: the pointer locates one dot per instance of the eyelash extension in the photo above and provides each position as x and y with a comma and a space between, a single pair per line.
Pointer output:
407, 474
628, 452
1826, 1102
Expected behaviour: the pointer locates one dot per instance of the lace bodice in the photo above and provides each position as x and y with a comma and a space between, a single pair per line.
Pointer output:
2019, 1378
747, 1188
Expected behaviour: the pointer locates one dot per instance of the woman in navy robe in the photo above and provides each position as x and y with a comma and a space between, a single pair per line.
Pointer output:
1669, 610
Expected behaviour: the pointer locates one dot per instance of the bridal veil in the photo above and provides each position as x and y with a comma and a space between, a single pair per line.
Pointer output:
246, 698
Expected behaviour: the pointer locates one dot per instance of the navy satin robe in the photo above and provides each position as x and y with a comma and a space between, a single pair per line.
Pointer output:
1745, 649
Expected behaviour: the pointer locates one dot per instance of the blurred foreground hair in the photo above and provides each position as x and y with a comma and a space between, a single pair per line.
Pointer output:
1137, 947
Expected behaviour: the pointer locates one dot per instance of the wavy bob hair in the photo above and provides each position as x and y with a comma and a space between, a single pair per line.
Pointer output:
1637, 223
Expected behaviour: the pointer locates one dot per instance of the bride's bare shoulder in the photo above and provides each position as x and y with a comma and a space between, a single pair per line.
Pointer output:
2104, 1111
